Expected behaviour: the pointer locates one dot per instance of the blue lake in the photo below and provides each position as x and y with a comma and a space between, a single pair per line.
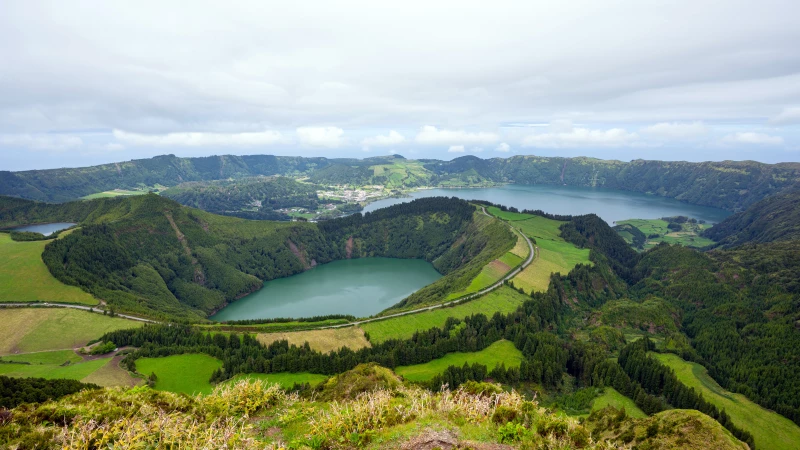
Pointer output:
45, 228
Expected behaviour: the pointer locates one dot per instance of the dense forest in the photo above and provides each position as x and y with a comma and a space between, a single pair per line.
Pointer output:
717, 184
16, 391
151, 256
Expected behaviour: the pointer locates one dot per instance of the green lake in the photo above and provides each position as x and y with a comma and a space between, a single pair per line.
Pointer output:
360, 287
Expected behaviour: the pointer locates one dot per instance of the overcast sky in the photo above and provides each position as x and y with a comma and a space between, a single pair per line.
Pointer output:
91, 82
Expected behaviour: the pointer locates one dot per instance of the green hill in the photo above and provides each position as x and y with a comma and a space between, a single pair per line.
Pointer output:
776, 218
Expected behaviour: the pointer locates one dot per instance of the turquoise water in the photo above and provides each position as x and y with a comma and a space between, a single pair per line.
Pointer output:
360, 287
611, 205
45, 228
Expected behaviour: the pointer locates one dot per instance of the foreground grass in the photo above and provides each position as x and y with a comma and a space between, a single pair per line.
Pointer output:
25, 278
188, 374
503, 300
769, 429
500, 352
611, 397
43, 329
321, 340
285, 379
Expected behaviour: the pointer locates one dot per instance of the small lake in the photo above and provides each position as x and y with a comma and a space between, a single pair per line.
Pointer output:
611, 205
45, 228
360, 287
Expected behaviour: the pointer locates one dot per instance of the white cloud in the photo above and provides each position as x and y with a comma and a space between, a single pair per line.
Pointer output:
456, 149
789, 116
331, 137
393, 138
56, 142
431, 135
676, 130
200, 139
752, 139
503, 147
581, 137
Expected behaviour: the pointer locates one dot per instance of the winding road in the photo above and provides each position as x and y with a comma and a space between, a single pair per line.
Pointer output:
510, 275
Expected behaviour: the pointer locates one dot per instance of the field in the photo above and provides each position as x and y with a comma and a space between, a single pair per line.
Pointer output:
769, 429
499, 352
188, 374
521, 248
40, 329
112, 193
285, 379
613, 398
688, 236
75, 371
25, 278
112, 375
273, 327
503, 300
554, 253
321, 340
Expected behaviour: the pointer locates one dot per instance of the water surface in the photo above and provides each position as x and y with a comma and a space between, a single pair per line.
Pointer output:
360, 287
45, 228
611, 205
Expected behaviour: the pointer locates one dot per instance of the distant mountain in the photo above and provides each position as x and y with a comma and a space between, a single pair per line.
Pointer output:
731, 185
776, 218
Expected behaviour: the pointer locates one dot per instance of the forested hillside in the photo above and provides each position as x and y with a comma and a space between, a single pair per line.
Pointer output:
250, 198
776, 218
151, 256
728, 185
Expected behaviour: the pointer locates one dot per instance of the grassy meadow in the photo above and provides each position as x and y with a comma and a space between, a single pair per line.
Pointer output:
500, 352
769, 429
554, 253
503, 300
324, 341
25, 278
188, 374
112, 193
688, 236
41, 329
72, 371
611, 397
285, 379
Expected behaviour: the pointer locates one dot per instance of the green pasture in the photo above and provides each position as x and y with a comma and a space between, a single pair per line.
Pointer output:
499, 352
188, 374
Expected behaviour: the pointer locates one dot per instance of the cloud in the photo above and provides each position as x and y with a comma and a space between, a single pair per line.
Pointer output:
331, 137
393, 138
562, 136
199, 139
431, 135
789, 116
676, 130
751, 138
503, 147
456, 149
57, 142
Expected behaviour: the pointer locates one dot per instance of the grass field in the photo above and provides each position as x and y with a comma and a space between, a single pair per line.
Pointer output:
507, 215
688, 236
188, 374
112, 193
503, 300
112, 374
77, 371
285, 379
57, 357
769, 429
521, 248
554, 253
321, 340
41, 329
499, 352
25, 278
613, 398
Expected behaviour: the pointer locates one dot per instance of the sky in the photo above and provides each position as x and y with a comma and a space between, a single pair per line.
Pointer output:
92, 82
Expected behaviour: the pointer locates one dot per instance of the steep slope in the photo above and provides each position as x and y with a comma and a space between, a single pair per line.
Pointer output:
776, 218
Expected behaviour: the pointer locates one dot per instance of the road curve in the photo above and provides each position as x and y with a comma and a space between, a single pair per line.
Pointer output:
510, 275
67, 305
